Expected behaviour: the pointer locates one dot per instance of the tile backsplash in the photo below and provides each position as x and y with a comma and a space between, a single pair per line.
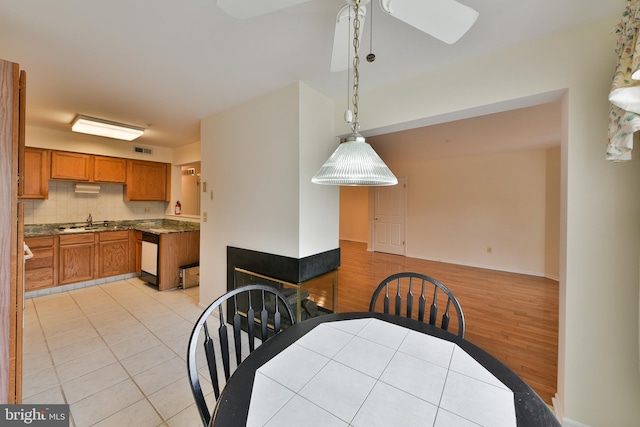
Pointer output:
65, 205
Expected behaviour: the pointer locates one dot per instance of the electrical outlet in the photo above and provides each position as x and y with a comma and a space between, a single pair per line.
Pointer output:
147, 210
204, 217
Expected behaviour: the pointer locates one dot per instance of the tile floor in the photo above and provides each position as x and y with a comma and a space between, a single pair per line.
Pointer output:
114, 352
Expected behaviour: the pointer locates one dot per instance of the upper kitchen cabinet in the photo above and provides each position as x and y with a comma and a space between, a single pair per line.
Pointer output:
35, 175
71, 166
109, 169
148, 181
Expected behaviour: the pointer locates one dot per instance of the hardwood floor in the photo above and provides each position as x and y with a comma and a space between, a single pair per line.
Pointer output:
512, 316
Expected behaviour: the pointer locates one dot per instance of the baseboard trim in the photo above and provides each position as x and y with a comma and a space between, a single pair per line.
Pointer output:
557, 409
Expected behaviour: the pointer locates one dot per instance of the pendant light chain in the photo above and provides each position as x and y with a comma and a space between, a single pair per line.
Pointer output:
356, 62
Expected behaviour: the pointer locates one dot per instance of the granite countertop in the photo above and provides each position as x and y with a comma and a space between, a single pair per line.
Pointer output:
154, 226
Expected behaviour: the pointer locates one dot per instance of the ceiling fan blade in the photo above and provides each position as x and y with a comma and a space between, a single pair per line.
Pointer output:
343, 38
446, 20
243, 9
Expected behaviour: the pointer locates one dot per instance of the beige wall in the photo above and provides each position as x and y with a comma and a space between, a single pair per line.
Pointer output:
459, 207
552, 215
354, 205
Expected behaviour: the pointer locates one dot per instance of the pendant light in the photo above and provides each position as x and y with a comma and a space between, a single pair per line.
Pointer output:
354, 162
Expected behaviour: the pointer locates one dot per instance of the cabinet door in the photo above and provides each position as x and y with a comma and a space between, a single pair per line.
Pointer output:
76, 263
76, 256
70, 166
114, 258
147, 181
35, 175
113, 253
109, 169
40, 271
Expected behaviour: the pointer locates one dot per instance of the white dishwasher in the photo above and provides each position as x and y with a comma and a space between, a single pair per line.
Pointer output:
149, 258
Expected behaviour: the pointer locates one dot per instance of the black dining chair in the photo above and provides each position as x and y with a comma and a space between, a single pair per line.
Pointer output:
403, 288
254, 312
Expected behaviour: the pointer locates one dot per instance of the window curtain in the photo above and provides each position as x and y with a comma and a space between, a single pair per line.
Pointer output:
624, 113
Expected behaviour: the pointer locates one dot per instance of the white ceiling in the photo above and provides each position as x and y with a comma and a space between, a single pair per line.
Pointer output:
167, 64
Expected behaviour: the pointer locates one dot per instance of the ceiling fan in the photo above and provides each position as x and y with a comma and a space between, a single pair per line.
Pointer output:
446, 20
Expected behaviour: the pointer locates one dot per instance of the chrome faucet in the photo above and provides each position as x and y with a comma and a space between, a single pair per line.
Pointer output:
89, 221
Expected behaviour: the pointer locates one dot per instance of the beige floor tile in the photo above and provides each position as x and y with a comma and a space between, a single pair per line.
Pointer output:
189, 417
73, 336
161, 375
140, 414
180, 328
78, 349
155, 321
107, 316
101, 349
124, 332
93, 382
84, 364
105, 403
49, 396
133, 346
179, 345
34, 383
147, 359
173, 398
62, 327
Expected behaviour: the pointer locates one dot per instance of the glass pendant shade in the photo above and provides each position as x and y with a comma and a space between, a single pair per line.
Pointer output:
354, 163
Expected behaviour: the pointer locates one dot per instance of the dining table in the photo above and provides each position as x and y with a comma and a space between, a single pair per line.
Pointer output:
374, 369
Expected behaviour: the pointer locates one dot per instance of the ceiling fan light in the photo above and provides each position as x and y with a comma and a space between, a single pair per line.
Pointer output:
106, 128
353, 163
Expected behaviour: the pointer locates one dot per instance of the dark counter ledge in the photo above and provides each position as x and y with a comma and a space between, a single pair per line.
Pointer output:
154, 226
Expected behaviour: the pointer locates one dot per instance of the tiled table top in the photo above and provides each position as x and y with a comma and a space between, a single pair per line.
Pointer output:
368, 372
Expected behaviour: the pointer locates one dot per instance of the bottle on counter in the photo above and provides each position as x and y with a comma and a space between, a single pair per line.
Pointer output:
178, 207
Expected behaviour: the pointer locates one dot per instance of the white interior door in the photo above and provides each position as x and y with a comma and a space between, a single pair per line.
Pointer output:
389, 218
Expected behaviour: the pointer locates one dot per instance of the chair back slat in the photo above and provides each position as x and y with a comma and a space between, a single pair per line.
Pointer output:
237, 327
238, 302
445, 317
410, 300
386, 298
224, 343
421, 306
433, 312
211, 361
398, 300
251, 328
406, 287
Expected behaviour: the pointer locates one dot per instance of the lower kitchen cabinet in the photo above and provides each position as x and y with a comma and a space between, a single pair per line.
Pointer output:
176, 249
113, 253
41, 270
76, 258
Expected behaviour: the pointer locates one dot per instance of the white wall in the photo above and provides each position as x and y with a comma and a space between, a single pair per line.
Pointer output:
598, 376
256, 165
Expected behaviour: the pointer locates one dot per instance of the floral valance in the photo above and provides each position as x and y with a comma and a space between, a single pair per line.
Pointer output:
624, 114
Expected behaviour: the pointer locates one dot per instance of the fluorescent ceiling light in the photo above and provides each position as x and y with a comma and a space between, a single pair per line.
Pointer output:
106, 128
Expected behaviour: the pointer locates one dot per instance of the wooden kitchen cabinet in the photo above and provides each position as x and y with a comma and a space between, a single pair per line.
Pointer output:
76, 256
41, 270
109, 169
35, 173
71, 166
176, 250
148, 181
113, 253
